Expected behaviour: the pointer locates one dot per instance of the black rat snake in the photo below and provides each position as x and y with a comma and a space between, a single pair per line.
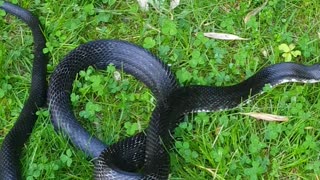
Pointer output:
144, 155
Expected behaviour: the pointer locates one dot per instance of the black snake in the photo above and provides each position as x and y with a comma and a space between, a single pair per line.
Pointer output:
143, 156
14, 141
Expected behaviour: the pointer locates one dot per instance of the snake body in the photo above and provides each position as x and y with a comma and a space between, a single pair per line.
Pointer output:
143, 156
145, 151
14, 141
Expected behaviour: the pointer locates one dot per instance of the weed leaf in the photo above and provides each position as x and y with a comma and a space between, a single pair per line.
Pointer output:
296, 53
284, 47
288, 51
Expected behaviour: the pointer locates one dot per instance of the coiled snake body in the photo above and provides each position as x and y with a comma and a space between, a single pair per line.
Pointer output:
145, 152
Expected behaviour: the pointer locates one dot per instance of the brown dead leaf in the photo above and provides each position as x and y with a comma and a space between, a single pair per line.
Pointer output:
266, 117
254, 12
223, 36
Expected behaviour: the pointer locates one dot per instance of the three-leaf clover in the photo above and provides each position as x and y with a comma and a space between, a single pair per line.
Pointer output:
66, 158
288, 51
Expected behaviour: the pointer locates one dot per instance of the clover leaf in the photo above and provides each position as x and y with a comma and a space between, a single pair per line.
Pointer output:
288, 51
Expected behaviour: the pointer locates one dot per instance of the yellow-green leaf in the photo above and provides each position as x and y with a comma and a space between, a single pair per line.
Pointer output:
296, 53
287, 57
292, 46
284, 48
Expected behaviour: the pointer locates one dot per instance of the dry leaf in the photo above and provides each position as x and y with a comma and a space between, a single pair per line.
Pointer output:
267, 117
213, 172
223, 36
254, 12
174, 4
218, 130
265, 52
143, 4
117, 76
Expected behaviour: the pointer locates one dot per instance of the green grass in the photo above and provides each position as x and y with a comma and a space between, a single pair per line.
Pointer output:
222, 145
